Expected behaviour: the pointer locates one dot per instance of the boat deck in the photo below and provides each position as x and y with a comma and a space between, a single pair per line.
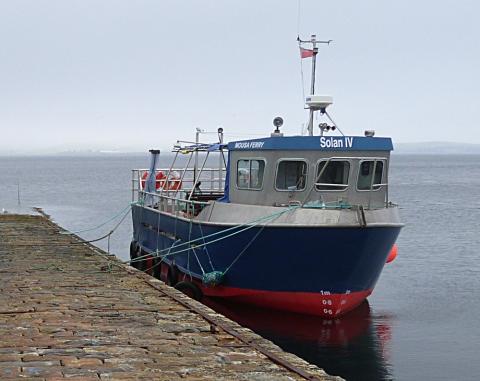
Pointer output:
70, 311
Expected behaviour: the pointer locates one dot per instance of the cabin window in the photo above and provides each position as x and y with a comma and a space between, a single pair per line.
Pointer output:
365, 174
291, 175
250, 173
332, 175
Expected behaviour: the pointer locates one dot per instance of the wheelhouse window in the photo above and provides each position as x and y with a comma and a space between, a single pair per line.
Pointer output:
332, 175
250, 173
365, 174
291, 175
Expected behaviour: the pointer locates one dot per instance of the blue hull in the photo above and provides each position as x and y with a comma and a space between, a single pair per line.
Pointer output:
336, 260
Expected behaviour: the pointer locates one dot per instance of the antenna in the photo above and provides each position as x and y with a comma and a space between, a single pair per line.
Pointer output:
313, 41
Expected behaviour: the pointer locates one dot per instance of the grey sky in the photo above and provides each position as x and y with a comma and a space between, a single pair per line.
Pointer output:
139, 74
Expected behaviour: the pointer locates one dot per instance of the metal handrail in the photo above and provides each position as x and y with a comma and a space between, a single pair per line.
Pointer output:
331, 185
169, 171
175, 198
169, 204
184, 178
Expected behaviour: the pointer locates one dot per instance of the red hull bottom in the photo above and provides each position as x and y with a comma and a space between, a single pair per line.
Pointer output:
325, 305
322, 304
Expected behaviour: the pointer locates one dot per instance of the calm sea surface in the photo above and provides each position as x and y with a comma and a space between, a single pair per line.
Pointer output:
421, 322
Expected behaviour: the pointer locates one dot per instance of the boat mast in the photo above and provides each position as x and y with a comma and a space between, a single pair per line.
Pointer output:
312, 87
313, 40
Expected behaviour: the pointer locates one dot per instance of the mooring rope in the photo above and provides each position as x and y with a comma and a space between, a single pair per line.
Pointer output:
81, 240
245, 227
206, 248
127, 208
106, 235
244, 249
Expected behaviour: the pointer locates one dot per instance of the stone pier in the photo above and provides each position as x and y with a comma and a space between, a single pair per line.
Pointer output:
70, 311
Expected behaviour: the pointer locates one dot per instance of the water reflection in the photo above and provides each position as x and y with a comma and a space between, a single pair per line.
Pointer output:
351, 346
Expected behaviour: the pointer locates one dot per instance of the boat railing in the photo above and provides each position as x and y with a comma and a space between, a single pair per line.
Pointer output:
331, 185
175, 205
181, 183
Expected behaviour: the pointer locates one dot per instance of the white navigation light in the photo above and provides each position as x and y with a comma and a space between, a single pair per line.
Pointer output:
318, 102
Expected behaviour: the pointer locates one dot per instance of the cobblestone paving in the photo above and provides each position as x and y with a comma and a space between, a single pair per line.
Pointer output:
68, 311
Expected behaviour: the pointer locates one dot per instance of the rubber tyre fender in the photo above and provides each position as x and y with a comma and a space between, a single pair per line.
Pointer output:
157, 267
134, 253
133, 248
142, 263
172, 275
190, 289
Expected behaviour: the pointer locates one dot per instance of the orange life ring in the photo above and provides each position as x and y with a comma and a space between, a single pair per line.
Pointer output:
174, 184
159, 179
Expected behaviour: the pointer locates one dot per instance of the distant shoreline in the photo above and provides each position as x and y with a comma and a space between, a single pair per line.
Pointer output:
437, 148
420, 148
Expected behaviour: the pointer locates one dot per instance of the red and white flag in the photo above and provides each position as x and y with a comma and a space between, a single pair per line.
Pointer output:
305, 53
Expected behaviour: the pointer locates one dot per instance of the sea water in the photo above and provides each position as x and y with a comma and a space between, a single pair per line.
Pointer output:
421, 322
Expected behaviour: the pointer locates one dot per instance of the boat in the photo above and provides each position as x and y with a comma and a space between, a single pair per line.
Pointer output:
296, 223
